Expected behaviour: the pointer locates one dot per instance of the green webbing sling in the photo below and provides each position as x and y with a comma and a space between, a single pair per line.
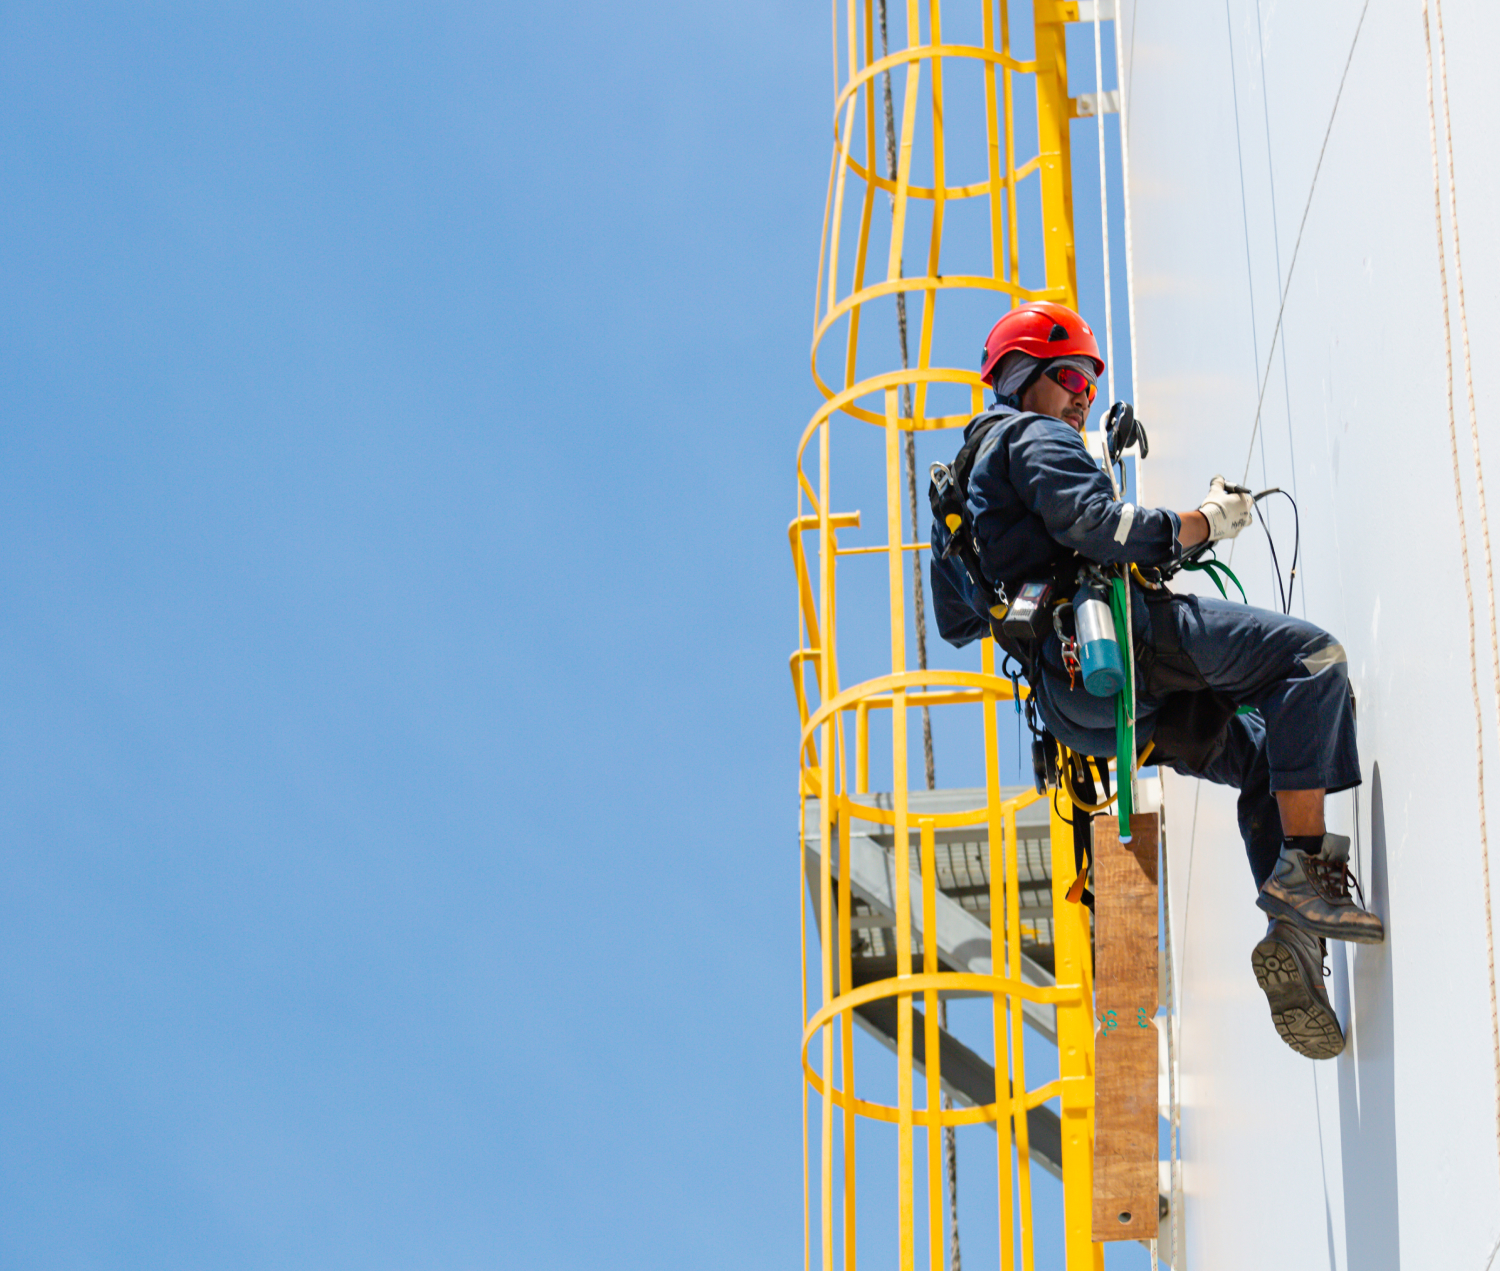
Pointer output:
1213, 566
1125, 698
1124, 709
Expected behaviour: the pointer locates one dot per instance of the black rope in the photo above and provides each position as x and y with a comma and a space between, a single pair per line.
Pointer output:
919, 617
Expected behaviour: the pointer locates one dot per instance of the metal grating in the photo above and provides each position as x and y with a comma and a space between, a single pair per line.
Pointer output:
963, 875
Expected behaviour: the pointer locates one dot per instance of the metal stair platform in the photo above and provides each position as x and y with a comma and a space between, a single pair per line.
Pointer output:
962, 858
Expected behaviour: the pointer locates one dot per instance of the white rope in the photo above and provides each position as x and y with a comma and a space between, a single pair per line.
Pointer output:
1124, 764
1174, 1105
1484, 526
1109, 317
1135, 384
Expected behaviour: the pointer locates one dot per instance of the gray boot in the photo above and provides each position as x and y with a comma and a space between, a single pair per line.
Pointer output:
1288, 965
1313, 892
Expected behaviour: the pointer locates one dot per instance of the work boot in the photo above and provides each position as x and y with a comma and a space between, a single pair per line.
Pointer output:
1313, 892
1288, 965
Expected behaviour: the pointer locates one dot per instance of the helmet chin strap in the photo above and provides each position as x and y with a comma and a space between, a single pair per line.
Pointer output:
1014, 400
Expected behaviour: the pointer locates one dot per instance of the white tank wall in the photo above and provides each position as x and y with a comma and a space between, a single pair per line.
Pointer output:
1387, 1156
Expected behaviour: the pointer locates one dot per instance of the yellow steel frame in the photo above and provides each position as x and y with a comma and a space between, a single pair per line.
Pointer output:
843, 293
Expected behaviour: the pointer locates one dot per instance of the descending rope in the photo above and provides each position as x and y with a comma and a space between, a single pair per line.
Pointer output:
919, 618
1135, 384
1286, 383
1125, 700
1286, 286
1109, 325
1234, 94
1437, 197
1174, 1211
1174, 1107
919, 606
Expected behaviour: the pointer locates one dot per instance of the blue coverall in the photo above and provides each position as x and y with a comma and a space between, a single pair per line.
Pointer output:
1037, 496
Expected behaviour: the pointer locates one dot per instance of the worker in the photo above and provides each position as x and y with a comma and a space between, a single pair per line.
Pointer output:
1038, 506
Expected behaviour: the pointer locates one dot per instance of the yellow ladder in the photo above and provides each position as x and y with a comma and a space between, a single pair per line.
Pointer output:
1013, 177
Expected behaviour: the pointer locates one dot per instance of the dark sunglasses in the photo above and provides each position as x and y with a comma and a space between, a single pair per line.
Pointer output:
1071, 380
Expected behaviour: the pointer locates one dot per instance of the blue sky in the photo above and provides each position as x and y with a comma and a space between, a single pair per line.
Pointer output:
399, 788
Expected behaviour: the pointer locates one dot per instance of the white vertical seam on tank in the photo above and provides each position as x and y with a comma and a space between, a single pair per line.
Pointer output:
1489, 925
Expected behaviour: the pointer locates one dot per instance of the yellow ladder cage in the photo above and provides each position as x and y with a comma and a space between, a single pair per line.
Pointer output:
1018, 180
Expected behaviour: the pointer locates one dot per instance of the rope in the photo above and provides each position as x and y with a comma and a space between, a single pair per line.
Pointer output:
1135, 386
1109, 324
919, 618
1286, 383
919, 604
1239, 149
1173, 1106
1125, 703
1297, 247
1437, 197
1174, 1210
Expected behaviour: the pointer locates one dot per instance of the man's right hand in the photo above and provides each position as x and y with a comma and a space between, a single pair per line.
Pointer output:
1227, 509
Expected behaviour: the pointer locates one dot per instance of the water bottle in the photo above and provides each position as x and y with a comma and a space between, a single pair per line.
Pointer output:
1098, 650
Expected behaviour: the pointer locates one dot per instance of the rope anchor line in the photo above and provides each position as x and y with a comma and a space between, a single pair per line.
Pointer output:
1458, 494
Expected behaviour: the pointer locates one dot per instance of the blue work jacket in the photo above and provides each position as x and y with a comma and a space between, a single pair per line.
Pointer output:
1036, 497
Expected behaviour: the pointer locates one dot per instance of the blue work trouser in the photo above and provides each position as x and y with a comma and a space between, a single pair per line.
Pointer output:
1293, 674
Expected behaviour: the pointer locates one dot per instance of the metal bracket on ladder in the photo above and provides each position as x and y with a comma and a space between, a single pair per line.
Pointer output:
1087, 105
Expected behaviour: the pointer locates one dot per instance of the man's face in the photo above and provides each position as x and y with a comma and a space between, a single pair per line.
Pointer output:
1048, 397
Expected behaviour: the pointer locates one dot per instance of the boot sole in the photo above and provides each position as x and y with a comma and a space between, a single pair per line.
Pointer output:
1278, 908
1304, 1021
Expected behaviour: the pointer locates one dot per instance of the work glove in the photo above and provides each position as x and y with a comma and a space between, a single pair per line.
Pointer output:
1229, 509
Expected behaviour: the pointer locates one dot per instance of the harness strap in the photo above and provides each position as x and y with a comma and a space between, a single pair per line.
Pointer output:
1083, 840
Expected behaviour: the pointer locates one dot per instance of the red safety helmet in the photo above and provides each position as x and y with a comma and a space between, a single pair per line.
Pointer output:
1042, 329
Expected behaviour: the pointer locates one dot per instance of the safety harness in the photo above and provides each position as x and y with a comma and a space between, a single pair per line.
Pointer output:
948, 494
1019, 623
1191, 721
